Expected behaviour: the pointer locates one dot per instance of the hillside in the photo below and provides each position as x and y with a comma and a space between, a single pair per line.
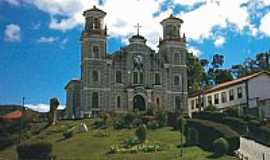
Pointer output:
93, 145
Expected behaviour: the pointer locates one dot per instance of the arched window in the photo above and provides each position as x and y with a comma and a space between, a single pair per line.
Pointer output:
118, 101
118, 77
177, 103
96, 51
157, 101
96, 23
157, 78
135, 77
141, 77
176, 80
95, 102
95, 76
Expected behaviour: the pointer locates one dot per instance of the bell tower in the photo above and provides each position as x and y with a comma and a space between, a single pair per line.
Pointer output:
172, 51
93, 60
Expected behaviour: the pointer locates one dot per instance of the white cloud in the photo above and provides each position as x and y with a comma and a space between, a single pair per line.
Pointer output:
195, 51
188, 2
219, 41
13, 2
42, 107
199, 23
265, 24
12, 33
47, 39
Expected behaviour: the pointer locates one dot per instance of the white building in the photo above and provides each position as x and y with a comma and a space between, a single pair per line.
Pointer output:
246, 93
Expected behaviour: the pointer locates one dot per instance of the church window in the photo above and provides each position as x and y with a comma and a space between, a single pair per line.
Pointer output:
118, 101
157, 101
96, 23
135, 77
118, 77
96, 51
177, 80
177, 103
176, 58
95, 76
157, 78
95, 102
141, 77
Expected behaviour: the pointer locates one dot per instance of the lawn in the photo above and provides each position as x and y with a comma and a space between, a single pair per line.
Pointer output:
87, 146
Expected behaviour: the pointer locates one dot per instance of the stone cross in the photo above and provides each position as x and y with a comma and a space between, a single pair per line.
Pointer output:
138, 28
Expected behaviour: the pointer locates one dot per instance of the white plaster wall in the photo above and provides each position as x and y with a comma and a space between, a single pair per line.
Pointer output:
253, 150
258, 87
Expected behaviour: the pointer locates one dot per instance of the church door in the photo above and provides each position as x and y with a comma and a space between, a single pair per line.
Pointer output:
139, 103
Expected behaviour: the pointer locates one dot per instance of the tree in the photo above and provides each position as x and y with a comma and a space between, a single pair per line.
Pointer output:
217, 61
262, 60
54, 103
195, 73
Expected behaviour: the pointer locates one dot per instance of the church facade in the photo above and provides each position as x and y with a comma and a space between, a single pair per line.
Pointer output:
133, 78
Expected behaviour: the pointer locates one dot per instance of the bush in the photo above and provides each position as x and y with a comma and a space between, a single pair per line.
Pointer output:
38, 151
99, 123
136, 122
210, 131
211, 108
153, 125
68, 133
192, 137
141, 133
220, 146
163, 119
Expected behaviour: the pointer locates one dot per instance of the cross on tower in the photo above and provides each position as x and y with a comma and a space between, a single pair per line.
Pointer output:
138, 28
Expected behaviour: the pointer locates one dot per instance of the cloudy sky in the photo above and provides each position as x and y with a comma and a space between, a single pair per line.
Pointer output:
40, 48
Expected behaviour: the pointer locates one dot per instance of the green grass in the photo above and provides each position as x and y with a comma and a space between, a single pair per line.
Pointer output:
86, 146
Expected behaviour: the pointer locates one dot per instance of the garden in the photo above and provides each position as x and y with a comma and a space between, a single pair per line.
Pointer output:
110, 136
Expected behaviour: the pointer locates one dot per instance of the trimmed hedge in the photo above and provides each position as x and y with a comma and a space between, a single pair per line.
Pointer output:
38, 151
210, 131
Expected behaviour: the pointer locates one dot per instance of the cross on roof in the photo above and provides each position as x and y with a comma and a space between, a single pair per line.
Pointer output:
138, 28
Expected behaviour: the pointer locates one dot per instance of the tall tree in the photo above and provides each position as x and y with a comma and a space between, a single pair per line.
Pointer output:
195, 72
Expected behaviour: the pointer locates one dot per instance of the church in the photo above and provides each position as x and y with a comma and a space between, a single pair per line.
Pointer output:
135, 77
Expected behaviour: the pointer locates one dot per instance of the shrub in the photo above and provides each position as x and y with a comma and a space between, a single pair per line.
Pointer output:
141, 133
153, 125
220, 146
136, 122
99, 123
211, 108
192, 137
131, 142
68, 133
38, 151
210, 131
163, 119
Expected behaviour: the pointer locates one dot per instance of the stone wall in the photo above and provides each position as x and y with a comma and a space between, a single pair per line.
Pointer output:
251, 150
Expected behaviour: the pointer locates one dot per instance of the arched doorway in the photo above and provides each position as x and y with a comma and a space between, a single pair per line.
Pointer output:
139, 103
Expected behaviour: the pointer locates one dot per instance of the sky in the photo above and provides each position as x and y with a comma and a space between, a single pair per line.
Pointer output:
40, 39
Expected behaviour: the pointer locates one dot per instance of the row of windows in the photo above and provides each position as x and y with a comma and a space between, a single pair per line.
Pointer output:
137, 78
177, 57
217, 100
224, 96
95, 101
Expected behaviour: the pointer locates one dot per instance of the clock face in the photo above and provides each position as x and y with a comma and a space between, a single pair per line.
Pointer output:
138, 61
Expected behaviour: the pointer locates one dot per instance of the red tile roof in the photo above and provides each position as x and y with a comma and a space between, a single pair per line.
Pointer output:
12, 115
232, 83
